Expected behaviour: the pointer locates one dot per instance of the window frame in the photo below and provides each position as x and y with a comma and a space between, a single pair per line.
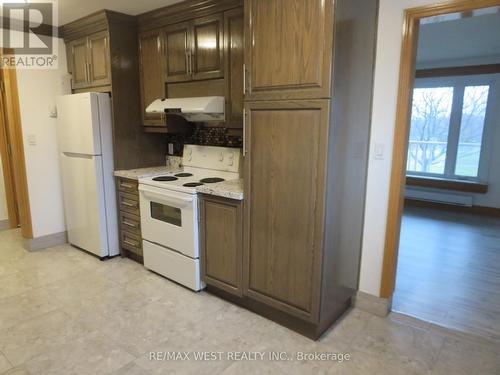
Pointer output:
458, 83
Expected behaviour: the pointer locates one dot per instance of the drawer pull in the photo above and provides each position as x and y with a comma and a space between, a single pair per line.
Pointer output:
128, 204
131, 243
126, 185
129, 224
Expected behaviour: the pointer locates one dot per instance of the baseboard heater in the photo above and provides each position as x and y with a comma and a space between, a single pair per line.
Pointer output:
429, 196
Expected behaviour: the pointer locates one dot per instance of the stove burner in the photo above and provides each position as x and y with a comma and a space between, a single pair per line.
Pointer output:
192, 184
165, 178
211, 180
184, 174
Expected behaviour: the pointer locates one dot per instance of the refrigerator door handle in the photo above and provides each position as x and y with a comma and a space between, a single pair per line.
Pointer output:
76, 155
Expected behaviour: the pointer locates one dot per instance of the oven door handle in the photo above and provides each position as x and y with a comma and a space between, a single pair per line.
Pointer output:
176, 201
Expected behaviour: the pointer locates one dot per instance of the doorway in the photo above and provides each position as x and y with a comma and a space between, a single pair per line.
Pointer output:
12, 152
442, 253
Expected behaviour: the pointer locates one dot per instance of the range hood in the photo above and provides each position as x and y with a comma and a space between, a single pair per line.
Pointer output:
201, 109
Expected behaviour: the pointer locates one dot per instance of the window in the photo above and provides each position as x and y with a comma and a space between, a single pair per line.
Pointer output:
448, 124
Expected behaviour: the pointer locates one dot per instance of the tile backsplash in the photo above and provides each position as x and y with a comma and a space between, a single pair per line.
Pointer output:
205, 136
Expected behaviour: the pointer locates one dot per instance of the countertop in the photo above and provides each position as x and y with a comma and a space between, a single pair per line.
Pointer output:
232, 189
135, 174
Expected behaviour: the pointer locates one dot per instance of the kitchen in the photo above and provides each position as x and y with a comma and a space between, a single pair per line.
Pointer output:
229, 127
213, 159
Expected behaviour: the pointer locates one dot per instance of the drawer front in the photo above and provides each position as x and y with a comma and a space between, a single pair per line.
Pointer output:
128, 186
131, 242
129, 203
130, 223
175, 266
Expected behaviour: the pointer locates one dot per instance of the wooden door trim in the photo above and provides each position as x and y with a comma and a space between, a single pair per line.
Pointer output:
407, 71
13, 118
7, 170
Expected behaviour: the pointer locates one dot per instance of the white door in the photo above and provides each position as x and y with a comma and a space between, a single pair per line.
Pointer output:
78, 124
84, 202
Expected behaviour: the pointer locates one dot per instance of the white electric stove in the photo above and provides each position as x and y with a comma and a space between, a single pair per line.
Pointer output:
169, 211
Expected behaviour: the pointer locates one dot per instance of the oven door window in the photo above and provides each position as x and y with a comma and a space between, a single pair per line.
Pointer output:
167, 214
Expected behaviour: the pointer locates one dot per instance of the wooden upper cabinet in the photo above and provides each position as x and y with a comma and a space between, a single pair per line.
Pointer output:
193, 50
89, 62
178, 46
288, 48
98, 59
233, 66
207, 55
78, 55
284, 200
152, 73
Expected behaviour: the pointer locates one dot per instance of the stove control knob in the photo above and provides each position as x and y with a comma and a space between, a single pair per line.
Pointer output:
221, 157
230, 158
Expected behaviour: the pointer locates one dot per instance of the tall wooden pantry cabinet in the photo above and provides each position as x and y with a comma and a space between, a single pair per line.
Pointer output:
308, 84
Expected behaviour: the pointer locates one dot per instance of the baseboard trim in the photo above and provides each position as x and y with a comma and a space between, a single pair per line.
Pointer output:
478, 210
44, 242
4, 224
372, 304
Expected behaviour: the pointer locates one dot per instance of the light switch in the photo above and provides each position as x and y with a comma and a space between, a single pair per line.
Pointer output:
31, 140
379, 152
52, 111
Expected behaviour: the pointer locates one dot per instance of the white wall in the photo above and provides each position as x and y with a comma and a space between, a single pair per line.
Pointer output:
3, 203
37, 94
383, 120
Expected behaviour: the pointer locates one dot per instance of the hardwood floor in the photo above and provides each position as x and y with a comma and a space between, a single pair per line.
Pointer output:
449, 270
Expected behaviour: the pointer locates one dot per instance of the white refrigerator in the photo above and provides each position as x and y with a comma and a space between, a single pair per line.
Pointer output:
84, 129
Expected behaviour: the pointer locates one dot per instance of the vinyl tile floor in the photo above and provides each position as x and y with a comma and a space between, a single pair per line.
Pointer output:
64, 312
449, 270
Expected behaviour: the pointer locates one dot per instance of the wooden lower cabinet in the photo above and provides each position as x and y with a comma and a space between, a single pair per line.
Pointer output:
130, 218
222, 242
288, 274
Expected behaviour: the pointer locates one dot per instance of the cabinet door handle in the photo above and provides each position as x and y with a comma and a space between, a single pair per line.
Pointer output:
131, 243
126, 185
190, 63
244, 131
86, 73
244, 79
128, 204
187, 64
129, 224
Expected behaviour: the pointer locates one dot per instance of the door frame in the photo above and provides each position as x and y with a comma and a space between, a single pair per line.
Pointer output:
407, 70
16, 182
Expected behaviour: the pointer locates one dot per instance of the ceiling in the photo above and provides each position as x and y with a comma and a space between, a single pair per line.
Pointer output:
460, 41
70, 10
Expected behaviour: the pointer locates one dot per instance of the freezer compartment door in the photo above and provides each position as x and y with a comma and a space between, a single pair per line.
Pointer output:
78, 127
84, 203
